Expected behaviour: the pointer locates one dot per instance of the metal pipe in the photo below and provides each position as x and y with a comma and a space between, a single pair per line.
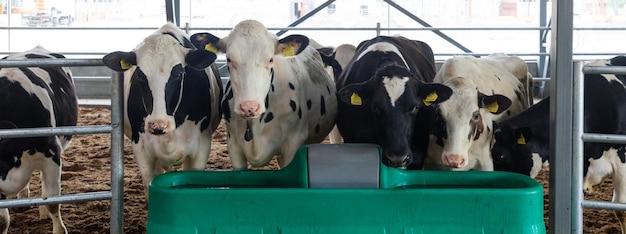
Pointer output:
117, 153
66, 198
603, 205
305, 17
578, 118
604, 138
50, 62
617, 70
55, 131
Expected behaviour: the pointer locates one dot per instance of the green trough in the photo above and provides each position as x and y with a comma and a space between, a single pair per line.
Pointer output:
273, 202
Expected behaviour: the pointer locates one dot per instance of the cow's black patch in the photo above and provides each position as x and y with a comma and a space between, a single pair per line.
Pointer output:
299, 113
291, 86
317, 128
322, 106
508, 112
328, 89
292, 104
267, 101
308, 104
269, 117
497, 77
248, 135
621, 153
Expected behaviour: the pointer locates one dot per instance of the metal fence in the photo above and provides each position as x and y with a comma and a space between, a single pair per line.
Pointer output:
579, 137
117, 143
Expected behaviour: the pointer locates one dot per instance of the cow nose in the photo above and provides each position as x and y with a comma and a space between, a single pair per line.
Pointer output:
454, 161
250, 108
158, 127
397, 161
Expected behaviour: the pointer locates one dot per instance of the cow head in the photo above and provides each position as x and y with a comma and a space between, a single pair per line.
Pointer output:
394, 96
156, 69
466, 120
250, 53
512, 150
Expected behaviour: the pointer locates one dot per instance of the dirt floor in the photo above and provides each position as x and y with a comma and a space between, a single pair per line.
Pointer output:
86, 169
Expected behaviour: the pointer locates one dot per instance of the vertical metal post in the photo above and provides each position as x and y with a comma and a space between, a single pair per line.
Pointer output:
578, 128
561, 208
542, 46
172, 11
117, 153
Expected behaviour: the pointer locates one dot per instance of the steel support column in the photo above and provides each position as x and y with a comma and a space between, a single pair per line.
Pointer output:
564, 206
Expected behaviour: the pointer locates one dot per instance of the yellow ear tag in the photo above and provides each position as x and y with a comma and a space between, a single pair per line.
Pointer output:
431, 98
211, 48
289, 51
125, 65
521, 140
493, 107
355, 100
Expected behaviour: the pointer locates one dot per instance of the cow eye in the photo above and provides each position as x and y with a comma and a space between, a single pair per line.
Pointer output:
414, 110
271, 60
476, 116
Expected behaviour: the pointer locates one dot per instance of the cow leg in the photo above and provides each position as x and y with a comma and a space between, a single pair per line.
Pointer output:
51, 186
25, 192
619, 192
334, 136
5, 220
237, 158
199, 160
146, 164
289, 152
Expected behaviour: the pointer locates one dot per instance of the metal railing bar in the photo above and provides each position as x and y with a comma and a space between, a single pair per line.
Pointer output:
603, 205
617, 70
64, 198
305, 17
50, 62
320, 29
604, 138
55, 131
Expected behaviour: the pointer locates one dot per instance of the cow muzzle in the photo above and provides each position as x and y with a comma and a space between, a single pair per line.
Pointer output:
397, 161
250, 109
454, 161
158, 127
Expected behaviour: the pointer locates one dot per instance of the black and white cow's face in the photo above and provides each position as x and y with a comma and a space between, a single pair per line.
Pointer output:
250, 53
512, 150
394, 97
464, 119
158, 66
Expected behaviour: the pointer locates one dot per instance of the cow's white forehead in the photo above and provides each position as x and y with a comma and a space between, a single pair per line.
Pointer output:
159, 52
463, 101
385, 47
395, 87
248, 40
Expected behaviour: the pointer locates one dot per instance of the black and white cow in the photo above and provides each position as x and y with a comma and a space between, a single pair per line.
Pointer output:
278, 98
385, 92
172, 95
32, 97
518, 141
484, 90
335, 60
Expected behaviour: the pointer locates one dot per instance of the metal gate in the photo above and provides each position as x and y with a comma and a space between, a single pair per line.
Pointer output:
117, 143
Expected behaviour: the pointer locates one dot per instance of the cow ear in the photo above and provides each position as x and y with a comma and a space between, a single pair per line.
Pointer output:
523, 135
208, 42
120, 61
352, 94
431, 93
292, 45
495, 104
200, 59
